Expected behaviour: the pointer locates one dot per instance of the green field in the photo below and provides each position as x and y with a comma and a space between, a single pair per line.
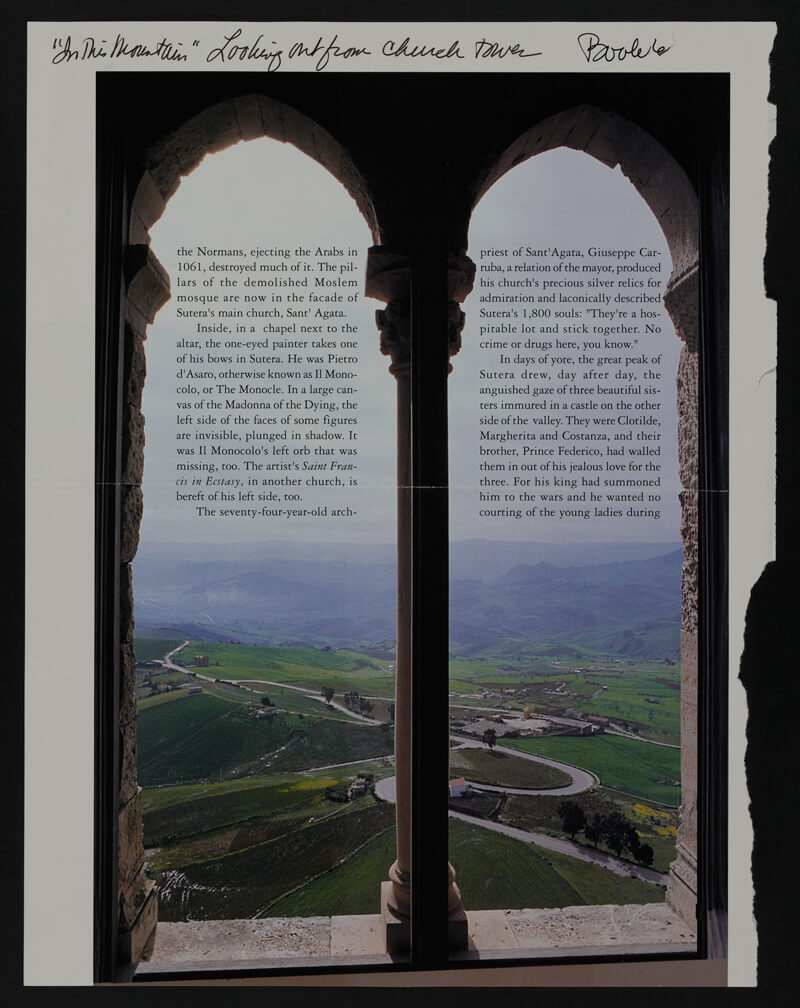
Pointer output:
294, 701
470, 674
200, 823
497, 872
637, 768
153, 648
299, 666
646, 697
486, 766
148, 702
233, 817
203, 736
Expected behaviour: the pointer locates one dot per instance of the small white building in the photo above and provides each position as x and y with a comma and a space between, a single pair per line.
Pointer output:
459, 788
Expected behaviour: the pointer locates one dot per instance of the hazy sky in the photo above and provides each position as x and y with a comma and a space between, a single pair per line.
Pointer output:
269, 194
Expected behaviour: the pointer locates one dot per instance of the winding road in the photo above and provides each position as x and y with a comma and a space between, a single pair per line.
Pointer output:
386, 789
169, 664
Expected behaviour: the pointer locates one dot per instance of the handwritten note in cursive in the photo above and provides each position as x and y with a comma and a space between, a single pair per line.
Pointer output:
595, 50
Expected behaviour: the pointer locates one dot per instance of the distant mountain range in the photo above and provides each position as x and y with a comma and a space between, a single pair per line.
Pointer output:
623, 599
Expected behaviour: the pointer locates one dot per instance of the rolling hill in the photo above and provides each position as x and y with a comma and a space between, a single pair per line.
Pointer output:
625, 600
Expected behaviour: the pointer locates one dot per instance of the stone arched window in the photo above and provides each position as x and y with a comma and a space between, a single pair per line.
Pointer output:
147, 289
662, 183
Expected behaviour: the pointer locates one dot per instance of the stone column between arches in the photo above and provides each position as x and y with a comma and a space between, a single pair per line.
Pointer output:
389, 281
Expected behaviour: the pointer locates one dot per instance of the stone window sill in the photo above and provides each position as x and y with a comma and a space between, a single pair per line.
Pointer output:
319, 942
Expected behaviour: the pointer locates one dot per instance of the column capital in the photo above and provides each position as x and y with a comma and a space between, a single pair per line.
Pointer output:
389, 280
460, 278
394, 324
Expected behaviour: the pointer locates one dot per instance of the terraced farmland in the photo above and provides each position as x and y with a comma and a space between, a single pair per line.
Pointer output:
246, 883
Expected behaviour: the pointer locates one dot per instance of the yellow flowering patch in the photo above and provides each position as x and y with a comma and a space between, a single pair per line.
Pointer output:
643, 812
668, 831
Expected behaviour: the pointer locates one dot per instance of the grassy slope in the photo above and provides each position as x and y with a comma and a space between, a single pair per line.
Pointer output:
330, 742
203, 735
300, 666
204, 812
623, 764
497, 872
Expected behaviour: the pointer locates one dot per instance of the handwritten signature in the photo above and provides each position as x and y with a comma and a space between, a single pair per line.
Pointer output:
595, 50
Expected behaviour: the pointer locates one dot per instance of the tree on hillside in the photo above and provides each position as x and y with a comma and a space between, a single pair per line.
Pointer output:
616, 832
327, 692
644, 854
594, 829
573, 818
265, 701
490, 737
